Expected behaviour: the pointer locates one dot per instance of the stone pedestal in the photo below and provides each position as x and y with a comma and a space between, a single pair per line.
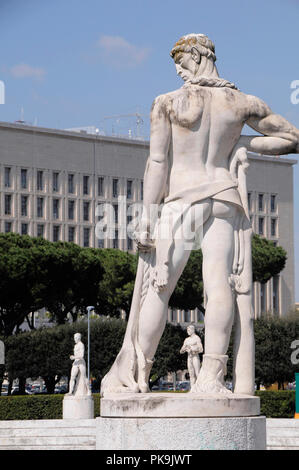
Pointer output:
76, 407
169, 421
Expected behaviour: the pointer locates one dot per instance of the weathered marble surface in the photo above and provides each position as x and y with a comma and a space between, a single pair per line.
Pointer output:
75, 407
246, 433
159, 405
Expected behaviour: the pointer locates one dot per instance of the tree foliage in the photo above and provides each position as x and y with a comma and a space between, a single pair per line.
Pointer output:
273, 338
61, 277
267, 259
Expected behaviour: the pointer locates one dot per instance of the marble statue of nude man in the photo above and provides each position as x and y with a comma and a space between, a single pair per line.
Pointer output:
193, 347
78, 383
197, 168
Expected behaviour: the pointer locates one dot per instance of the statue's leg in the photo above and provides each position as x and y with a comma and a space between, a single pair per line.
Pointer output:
218, 252
196, 365
74, 373
191, 370
244, 369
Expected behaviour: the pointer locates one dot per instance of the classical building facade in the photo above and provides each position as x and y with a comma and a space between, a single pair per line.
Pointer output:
67, 185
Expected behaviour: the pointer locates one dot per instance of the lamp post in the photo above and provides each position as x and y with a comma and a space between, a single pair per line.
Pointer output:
89, 309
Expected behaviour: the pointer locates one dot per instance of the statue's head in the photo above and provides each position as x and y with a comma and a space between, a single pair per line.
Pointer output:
194, 55
77, 337
190, 329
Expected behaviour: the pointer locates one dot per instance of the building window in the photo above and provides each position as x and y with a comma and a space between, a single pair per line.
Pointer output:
86, 233
71, 183
115, 240
71, 209
40, 230
55, 182
85, 184
7, 172
7, 227
100, 186
40, 207
7, 204
56, 232
273, 203
24, 229
141, 191
40, 180
129, 243
115, 209
261, 225
100, 243
276, 294
261, 202
86, 211
23, 178
273, 227
115, 188
263, 298
129, 189
187, 315
55, 208
24, 200
249, 198
71, 234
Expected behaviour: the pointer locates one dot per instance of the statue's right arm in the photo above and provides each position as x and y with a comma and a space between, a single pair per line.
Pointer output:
155, 177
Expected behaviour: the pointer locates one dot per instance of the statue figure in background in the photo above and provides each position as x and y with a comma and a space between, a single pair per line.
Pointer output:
79, 385
197, 171
193, 347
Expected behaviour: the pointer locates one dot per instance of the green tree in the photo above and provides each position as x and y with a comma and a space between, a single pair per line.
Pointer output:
267, 259
116, 287
35, 273
273, 338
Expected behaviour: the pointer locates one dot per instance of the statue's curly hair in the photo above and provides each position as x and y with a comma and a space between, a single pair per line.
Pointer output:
201, 42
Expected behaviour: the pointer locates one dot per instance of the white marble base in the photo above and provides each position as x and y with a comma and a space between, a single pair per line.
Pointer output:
78, 407
234, 433
178, 405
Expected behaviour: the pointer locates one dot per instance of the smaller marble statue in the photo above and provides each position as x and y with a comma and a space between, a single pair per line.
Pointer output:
79, 385
193, 346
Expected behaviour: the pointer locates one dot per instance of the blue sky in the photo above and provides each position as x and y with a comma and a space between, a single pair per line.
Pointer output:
71, 63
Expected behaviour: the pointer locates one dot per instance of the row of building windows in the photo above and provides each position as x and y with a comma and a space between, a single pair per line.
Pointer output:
56, 206
261, 202
273, 226
40, 183
71, 234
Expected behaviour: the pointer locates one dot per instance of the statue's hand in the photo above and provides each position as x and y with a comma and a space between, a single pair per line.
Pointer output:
143, 238
72, 358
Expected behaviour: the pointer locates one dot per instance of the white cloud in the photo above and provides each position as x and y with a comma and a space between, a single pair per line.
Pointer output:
26, 71
118, 51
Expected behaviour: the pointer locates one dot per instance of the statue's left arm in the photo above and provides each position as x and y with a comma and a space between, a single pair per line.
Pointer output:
280, 136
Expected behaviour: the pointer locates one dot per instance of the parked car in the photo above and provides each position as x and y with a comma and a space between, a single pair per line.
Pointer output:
183, 386
61, 389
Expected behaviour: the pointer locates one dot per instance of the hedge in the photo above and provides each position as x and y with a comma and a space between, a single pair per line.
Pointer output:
274, 404
277, 403
19, 407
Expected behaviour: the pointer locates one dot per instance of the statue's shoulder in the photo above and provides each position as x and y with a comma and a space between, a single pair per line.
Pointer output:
164, 102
